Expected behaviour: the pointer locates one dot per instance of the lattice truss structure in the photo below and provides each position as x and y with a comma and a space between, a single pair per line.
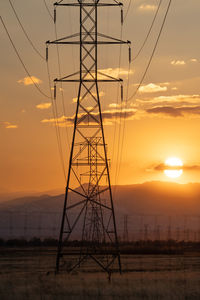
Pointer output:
88, 213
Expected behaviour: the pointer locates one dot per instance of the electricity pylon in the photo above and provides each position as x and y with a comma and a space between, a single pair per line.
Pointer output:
88, 213
125, 233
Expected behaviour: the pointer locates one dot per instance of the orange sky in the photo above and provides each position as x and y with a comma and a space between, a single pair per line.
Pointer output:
162, 120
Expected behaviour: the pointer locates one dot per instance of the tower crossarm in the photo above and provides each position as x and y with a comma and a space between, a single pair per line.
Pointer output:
81, 3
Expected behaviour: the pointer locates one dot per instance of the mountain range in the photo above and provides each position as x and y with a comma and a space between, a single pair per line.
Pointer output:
152, 203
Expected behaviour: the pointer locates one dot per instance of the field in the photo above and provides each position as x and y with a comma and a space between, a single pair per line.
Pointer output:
28, 273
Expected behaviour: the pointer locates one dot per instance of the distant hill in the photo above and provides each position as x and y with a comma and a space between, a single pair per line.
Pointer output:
150, 197
158, 198
5, 195
149, 203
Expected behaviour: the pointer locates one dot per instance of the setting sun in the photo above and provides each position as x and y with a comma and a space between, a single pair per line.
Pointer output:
173, 167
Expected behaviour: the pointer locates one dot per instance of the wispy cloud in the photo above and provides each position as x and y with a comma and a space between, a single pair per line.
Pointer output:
45, 105
29, 81
178, 62
152, 88
108, 116
11, 126
115, 105
8, 125
173, 99
162, 167
114, 72
193, 60
175, 111
166, 110
147, 7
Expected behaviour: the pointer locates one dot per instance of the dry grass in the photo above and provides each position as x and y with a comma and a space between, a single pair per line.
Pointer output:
23, 276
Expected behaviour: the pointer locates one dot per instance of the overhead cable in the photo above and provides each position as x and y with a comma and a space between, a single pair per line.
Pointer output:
148, 33
59, 65
24, 31
62, 93
50, 97
20, 59
128, 8
153, 52
51, 16
115, 124
124, 123
57, 129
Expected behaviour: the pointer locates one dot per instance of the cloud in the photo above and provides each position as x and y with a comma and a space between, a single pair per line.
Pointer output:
93, 118
162, 167
152, 88
74, 100
8, 125
166, 110
147, 7
193, 60
178, 63
11, 126
56, 121
114, 72
181, 99
29, 81
45, 105
175, 111
114, 105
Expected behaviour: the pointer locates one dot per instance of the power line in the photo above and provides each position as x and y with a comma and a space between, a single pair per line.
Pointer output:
20, 59
62, 94
123, 130
55, 116
51, 16
128, 8
153, 52
115, 126
119, 152
124, 122
24, 31
54, 109
59, 71
148, 33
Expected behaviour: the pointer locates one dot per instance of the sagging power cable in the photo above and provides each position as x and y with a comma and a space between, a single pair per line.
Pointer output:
22, 62
153, 52
149, 32
57, 129
24, 31
128, 8
51, 16
49, 97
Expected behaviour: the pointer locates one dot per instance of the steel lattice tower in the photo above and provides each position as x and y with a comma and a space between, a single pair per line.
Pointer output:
88, 213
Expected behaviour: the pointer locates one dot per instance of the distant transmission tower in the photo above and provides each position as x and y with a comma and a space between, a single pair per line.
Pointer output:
88, 213
125, 233
146, 232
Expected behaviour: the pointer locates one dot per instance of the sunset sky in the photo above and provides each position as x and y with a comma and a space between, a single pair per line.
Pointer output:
162, 121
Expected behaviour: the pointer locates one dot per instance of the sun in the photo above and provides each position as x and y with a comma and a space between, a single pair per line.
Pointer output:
173, 167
